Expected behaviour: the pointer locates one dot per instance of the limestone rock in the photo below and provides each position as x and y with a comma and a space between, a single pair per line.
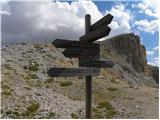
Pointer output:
155, 72
129, 45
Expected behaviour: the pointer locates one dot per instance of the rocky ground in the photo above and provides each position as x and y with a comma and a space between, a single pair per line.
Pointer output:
128, 90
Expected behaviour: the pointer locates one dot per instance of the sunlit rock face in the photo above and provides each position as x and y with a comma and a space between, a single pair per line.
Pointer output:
129, 45
155, 72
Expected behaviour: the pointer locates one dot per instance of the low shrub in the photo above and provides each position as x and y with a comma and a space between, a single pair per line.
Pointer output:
74, 116
65, 83
112, 89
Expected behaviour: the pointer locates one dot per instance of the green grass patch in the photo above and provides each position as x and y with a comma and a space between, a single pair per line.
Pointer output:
38, 94
6, 90
8, 60
34, 66
33, 76
49, 80
8, 112
7, 73
8, 66
38, 47
13, 114
128, 98
111, 111
52, 115
104, 104
96, 113
2, 111
74, 116
27, 78
77, 98
33, 107
49, 56
47, 86
27, 88
23, 53
112, 89
65, 83
29, 51
38, 84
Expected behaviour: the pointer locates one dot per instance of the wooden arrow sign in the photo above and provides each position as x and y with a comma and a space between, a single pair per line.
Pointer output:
95, 35
61, 43
96, 63
97, 30
102, 22
72, 72
82, 53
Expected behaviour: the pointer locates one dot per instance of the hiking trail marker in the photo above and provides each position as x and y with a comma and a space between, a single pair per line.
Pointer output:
88, 54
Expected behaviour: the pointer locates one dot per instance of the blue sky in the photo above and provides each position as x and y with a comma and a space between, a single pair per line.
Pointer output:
47, 20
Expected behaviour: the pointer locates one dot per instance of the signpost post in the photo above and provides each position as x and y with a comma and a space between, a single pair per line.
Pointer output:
88, 54
89, 77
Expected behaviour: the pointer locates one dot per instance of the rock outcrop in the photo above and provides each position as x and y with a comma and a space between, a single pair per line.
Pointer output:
129, 45
129, 56
155, 72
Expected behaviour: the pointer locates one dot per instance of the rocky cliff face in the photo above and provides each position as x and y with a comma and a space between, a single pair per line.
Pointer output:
129, 45
154, 72
129, 57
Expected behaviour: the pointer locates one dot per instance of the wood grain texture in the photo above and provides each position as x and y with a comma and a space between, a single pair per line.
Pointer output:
95, 35
82, 53
96, 63
73, 72
104, 21
61, 43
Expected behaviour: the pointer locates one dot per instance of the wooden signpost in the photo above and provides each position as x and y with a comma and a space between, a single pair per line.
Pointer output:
88, 54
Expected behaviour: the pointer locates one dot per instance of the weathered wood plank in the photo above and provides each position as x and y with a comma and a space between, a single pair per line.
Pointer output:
95, 35
96, 63
104, 21
72, 72
82, 53
100, 28
61, 43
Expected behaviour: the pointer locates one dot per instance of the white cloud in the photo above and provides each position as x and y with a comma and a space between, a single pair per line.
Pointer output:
121, 20
150, 52
156, 48
152, 63
46, 20
155, 62
4, 7
147, 26
153, 51
149, 7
